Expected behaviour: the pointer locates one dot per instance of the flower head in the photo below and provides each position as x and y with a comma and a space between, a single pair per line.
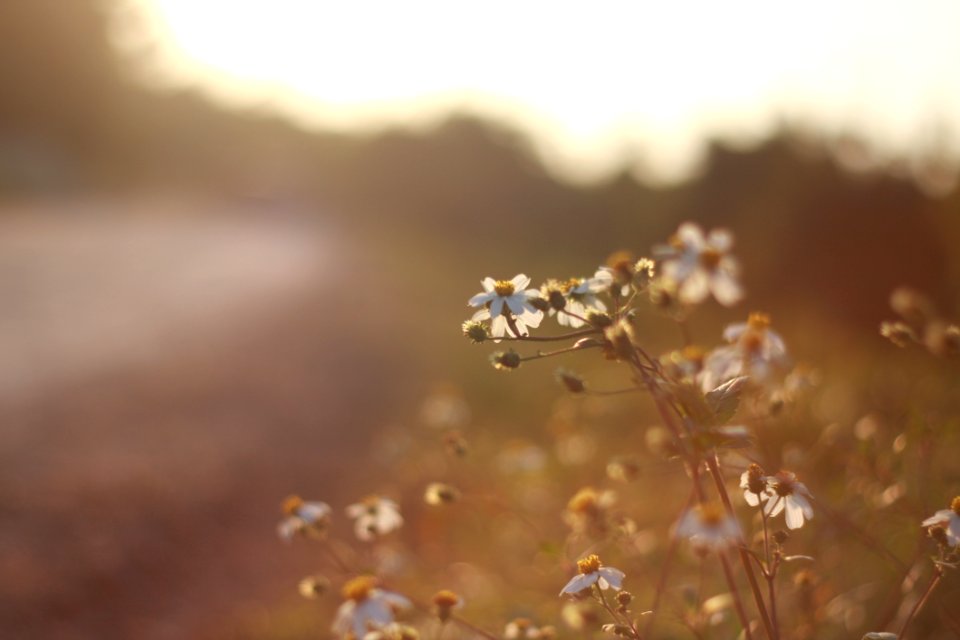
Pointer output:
438, 493
755, 485
520, 628
571, 299
791, 496
948, 521
709, 527
754, 349
366, 607
592, 572
375, 516
303, 518
507, 303
444, 602
700, 266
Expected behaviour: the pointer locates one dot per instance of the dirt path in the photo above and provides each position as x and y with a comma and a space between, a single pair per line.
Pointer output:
165, 378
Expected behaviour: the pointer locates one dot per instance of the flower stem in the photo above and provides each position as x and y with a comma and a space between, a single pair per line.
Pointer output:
714, 465
937, 575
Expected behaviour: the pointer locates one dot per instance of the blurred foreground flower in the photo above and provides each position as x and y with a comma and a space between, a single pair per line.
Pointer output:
949, 521
592, 572
366, 608
304, 518
444, 602
375, 516
709, 528
507, 304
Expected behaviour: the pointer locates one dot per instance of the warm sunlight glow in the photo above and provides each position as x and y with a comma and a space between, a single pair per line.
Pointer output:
595, 86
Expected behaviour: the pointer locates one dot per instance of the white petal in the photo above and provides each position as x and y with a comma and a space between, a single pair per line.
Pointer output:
396, 600
520, 282
496, 307
498, 328
313, 511
774, 506
480, 299
532, 317
695, 288
726, 289
720, 239
289, 528
733, 332
482, 314
363, 528
580, 582
488, 284
939, 517
612, 576
794, 514
356, 510
342, 621
690, 234
751, 498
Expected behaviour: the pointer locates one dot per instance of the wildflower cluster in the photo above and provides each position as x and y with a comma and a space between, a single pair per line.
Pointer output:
542, 517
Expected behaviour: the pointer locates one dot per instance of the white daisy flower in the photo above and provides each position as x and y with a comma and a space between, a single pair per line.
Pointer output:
366, 608
578, 296
755, 350
375, 516
592, 572
789, 495
949, 521
304, 518
709, 528
700, 266
520, 628
505, 302
755, 485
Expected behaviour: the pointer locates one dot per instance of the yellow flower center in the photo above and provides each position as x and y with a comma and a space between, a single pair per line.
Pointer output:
710, 258
955, 505
358, 589
446, 599
584, 501
589, 564
504, 288
291, 505
694, 354
758, 321
711, 514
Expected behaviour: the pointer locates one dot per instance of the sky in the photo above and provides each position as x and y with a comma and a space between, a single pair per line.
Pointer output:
594, 84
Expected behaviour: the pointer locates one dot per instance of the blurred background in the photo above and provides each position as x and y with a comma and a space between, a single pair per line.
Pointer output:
237, 240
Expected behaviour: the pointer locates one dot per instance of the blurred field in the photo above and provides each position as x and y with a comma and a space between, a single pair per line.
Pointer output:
165, 380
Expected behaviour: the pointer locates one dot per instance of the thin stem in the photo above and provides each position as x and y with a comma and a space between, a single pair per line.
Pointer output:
737, 602
472, 627
937, 575
549, 354
617, 617
714, 465
564, 336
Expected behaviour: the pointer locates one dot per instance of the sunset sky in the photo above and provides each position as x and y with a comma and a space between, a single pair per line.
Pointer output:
593, 83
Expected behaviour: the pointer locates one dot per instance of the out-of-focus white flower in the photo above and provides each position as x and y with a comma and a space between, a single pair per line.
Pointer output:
709, 528
375, 516
313, 586
579, 296
700, 266
438, 493
303, 518
592, 572
949, 521
755, 485
393, 631
366, 608
506, 301
520, 628
790, 496
755, 350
